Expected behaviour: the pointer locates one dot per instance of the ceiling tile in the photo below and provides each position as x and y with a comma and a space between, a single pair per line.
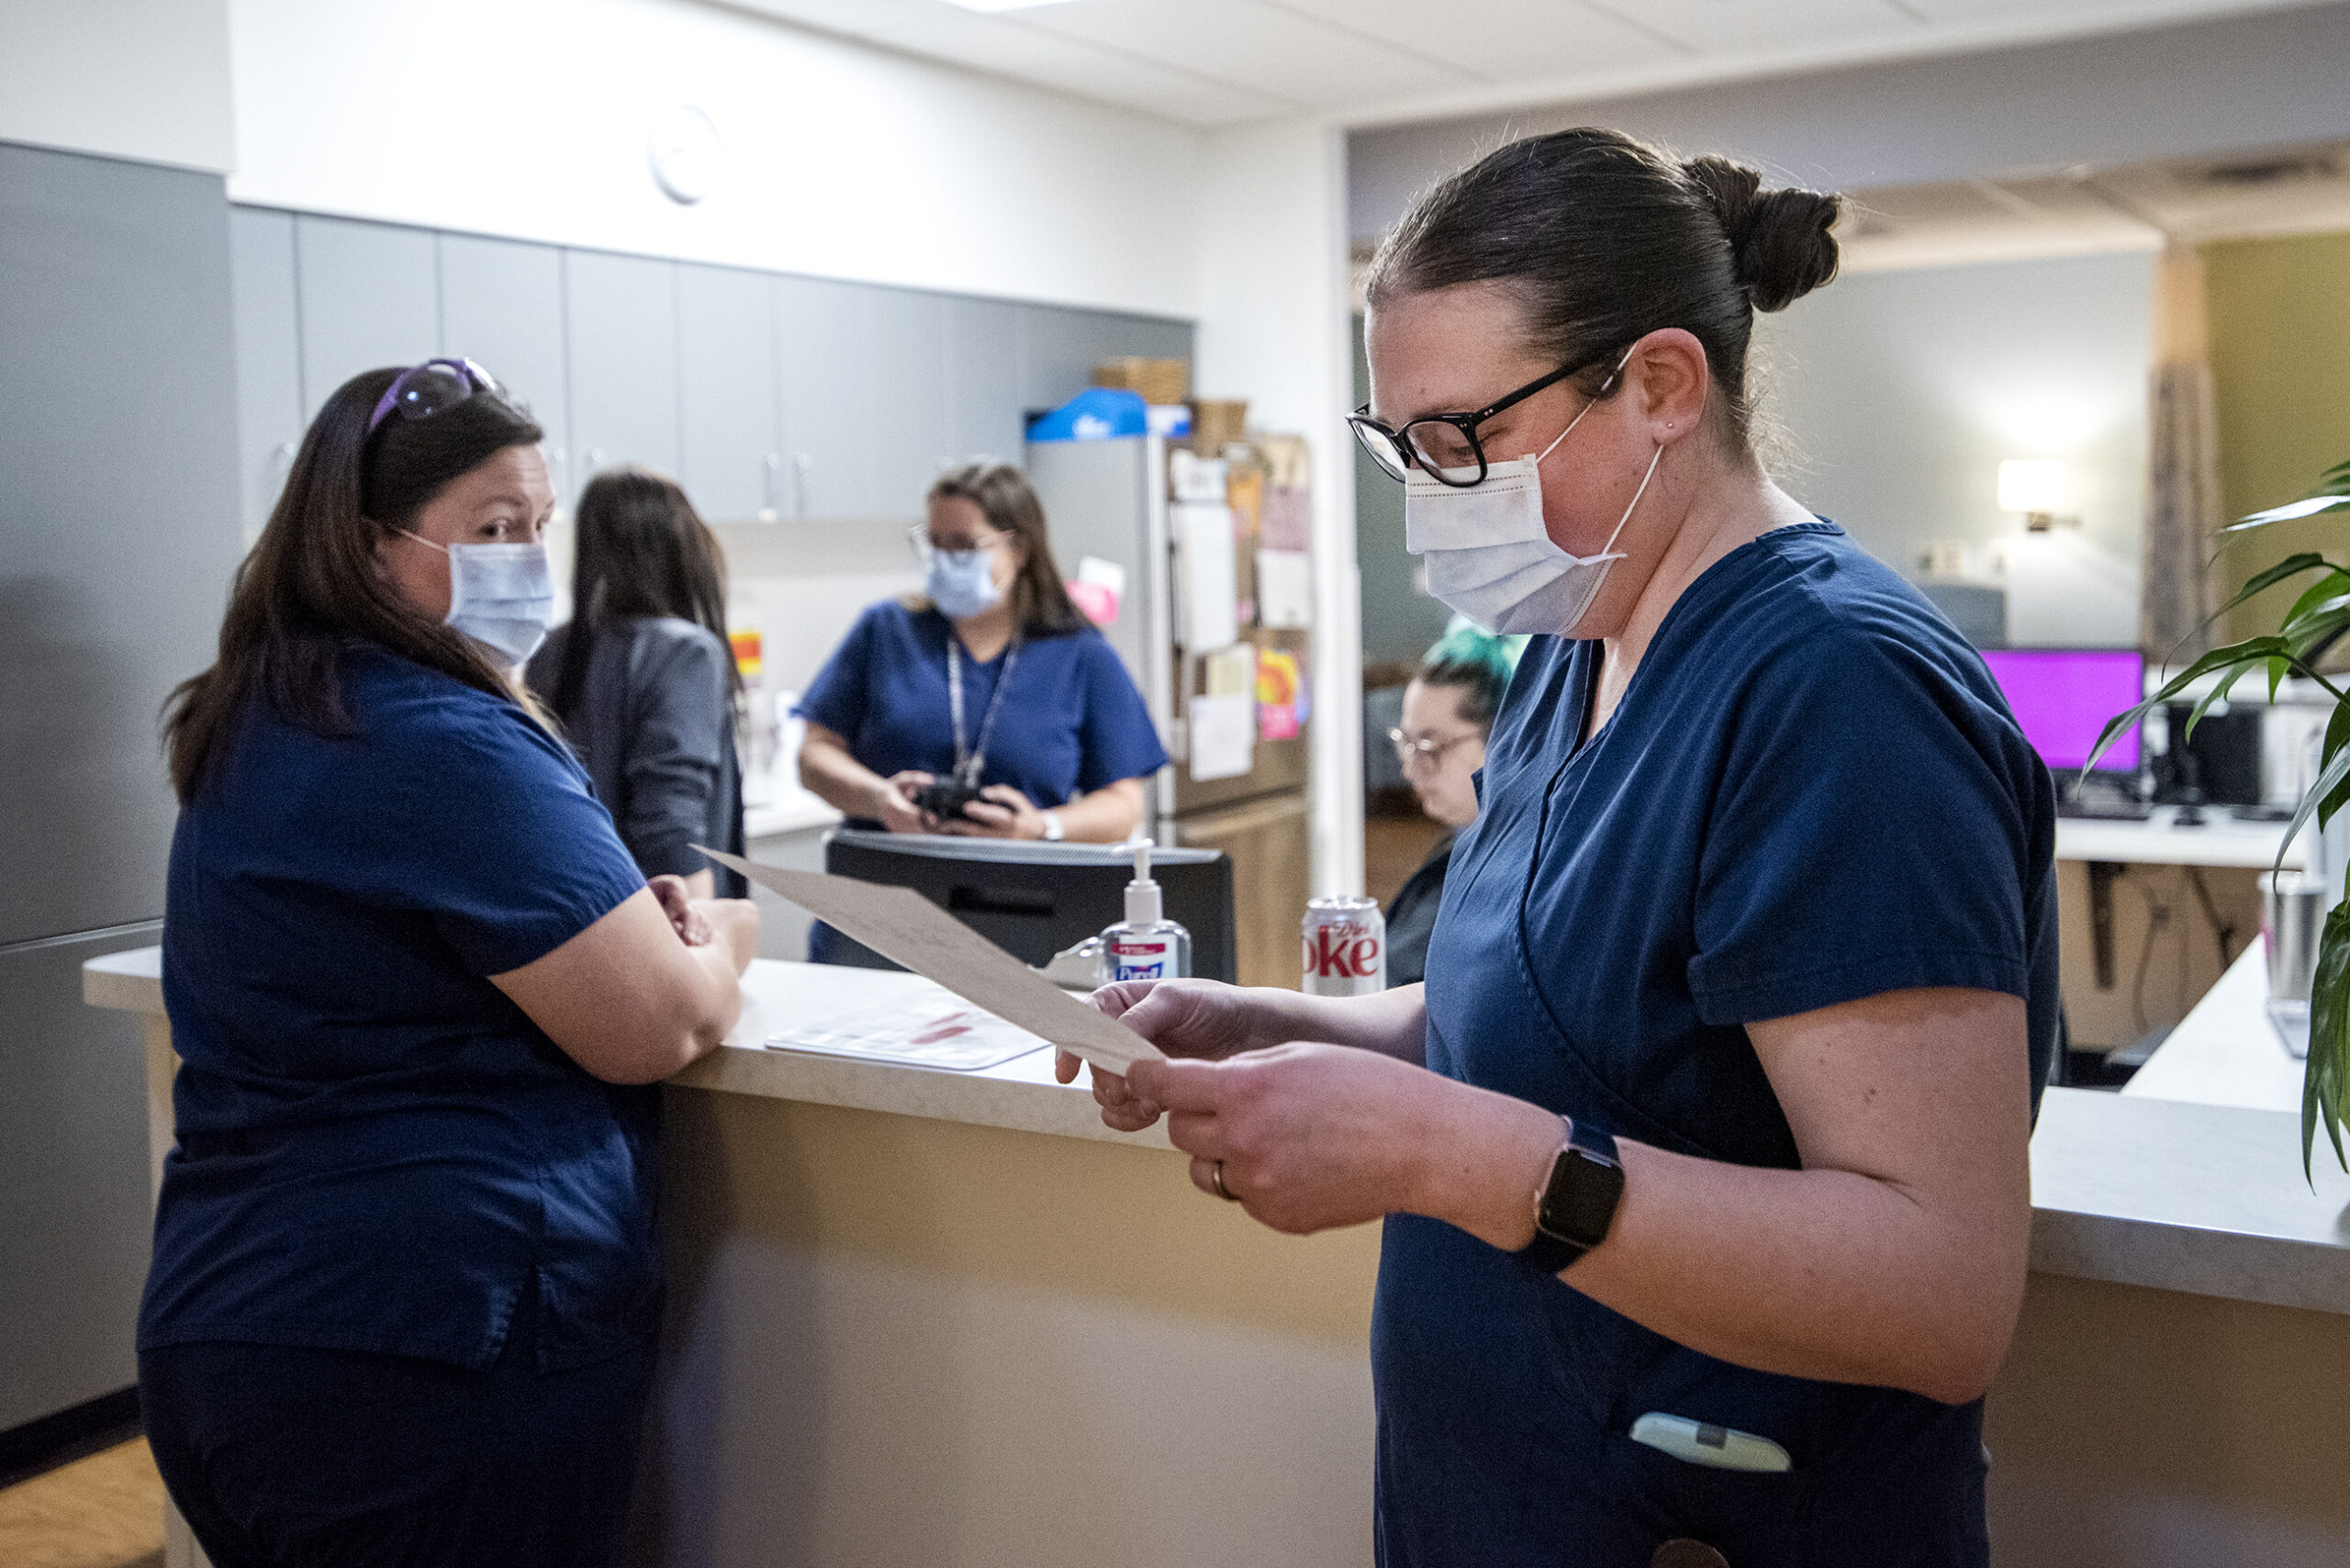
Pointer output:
961, 38
1500, 40
1719, 27
1251, 45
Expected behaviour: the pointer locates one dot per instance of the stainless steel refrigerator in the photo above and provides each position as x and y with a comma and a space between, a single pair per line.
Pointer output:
1110, 500
117, 536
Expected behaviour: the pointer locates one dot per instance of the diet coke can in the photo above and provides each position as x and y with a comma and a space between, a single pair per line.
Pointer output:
1346, 946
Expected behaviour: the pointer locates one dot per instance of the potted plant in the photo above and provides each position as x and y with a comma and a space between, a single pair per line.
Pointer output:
2317, 617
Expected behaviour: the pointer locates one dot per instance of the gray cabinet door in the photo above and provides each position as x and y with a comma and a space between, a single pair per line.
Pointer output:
730, 448
824, 349
369, 299
76, 1217
910, 398
983, 380
119, 504
1059, 348
502, 306
269, 356
621, 312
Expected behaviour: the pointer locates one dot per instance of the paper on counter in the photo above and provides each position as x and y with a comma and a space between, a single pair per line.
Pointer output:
945, 1032
1223, 736
906, 928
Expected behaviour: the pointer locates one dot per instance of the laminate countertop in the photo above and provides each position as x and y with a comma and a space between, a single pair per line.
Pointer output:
2170, 1194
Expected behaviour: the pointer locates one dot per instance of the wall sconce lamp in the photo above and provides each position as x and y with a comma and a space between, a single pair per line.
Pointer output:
2034, 487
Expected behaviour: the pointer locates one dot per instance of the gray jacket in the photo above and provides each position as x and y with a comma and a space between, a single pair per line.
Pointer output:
655, 725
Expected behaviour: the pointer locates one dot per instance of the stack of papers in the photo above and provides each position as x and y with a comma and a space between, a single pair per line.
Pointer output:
944, 1032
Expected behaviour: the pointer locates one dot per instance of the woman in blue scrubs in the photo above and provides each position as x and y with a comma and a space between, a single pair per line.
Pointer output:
991, 679
1702, 1151
405, 1285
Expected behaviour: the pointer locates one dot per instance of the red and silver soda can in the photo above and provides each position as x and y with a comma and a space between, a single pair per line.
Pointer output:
1346, 946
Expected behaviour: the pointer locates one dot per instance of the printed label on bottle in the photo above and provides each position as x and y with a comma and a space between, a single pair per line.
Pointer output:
1142, 961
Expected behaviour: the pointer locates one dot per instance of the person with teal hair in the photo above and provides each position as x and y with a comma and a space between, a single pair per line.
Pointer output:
1448, 712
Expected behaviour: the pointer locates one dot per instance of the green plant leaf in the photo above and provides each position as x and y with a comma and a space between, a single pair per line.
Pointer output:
2308, 506
2239, 656
2329, 778
2337, 735
2291, 566
2322, 1075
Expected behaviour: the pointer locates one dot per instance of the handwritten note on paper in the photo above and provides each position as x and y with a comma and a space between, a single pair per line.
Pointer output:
906, 928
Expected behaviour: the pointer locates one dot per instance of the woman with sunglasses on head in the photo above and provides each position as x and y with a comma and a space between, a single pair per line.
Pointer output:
987, 705
643, 681
404, 1284
1702, 1152
1441, 743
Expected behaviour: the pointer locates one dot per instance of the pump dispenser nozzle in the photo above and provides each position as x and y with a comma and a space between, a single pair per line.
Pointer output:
1142, 905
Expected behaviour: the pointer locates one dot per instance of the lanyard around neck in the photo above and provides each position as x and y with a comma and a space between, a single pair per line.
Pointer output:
969, 761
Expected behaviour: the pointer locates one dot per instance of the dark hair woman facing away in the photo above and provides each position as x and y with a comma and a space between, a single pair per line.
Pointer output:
643, 680
1703, 1150
404, 1284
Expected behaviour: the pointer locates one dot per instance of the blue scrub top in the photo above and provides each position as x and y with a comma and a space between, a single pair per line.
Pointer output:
377, 1148
1813, 792
1071, 720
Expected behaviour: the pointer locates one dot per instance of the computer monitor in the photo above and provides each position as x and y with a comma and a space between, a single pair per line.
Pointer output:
2064, 698
1032, 900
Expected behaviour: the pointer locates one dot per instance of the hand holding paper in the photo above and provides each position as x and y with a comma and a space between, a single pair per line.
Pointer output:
906, 928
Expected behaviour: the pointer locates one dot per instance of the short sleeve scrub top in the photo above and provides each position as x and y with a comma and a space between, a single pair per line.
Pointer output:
1812, 792
1067, 719
377, 1150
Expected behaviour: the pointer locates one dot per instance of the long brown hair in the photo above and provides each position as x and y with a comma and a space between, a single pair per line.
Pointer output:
310, 587
642, 550
1040, 601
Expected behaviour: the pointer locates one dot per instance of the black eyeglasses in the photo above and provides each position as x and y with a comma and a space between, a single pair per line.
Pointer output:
1440, 444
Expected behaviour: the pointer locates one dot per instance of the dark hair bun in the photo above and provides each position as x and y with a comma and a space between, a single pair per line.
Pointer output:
1780, 243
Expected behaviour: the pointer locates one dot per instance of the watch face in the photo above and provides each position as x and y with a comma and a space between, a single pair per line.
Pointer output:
1580, 1201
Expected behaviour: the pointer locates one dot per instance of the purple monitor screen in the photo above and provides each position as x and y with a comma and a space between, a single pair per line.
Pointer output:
2064, 698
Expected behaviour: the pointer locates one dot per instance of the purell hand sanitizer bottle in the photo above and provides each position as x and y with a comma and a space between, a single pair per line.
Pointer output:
1145, 945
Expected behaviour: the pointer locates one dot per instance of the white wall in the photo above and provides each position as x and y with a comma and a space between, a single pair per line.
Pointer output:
143, 79
529, 118
1901, 392
1273, 326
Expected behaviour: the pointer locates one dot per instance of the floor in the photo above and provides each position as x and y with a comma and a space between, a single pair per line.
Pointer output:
106, 1511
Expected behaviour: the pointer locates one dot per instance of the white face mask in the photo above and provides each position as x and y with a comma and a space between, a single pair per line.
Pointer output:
502, 596
962, 582
1489, 554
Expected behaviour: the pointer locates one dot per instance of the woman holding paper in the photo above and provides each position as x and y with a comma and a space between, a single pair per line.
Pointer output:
1701, 1153
986, 705
404, 1284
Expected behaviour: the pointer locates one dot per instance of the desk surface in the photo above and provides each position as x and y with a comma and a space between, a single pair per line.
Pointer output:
2225, 1052
2142, 1191
2221, 841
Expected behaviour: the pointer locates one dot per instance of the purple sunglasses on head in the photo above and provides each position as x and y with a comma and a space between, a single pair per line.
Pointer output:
423, 391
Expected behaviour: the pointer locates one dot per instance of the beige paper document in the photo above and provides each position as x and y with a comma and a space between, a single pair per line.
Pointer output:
906, 928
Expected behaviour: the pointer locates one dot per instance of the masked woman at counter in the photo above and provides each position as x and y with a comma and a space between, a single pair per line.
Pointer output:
404, 1284
987, 705
1702, 1153
643, 681
1439, 745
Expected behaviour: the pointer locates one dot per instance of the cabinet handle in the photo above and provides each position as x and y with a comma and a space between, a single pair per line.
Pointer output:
768, 466
800, 484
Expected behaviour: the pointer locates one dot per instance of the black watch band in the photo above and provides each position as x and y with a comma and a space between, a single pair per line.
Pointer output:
1576, 1201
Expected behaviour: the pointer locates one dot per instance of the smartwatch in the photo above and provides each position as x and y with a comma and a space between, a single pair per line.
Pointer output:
1053, 829
1577, 1199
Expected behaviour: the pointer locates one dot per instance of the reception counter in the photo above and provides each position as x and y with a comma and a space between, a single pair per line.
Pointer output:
921, 1318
